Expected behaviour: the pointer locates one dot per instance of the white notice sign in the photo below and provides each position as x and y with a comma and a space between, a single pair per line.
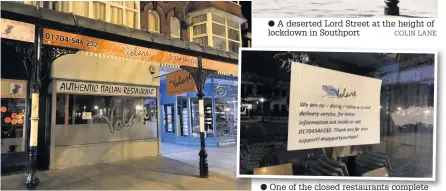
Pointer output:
330, 108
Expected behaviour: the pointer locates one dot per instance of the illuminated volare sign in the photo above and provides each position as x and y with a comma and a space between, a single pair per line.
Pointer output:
104, 89
16, 30
91, 44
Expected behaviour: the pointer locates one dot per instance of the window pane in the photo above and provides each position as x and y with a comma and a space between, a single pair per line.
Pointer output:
195, 119
201, 40
233, 34
116, 15
218, 19
233, 46
98, 11
131, 19
100, 119
174, 27
199, 29
13, 120
154, 22
65, 5
80, 8
63, 111
199, 19
130, 4
219, 43
233, 24
218, 30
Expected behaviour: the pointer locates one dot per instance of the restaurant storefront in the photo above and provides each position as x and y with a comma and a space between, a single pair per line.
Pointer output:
105, 99
180, 122
101, 100
14, 93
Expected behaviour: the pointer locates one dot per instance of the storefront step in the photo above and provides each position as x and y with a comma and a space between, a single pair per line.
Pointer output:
186, 141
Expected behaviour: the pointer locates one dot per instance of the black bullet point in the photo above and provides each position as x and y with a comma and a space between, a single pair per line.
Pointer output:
271, 23
263, 186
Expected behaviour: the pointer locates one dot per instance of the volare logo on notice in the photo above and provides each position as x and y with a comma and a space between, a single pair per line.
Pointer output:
332, 92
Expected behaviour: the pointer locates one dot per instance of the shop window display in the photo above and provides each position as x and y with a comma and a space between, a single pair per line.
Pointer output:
86, 119
195, 119
225, 116
13, 121
183, 116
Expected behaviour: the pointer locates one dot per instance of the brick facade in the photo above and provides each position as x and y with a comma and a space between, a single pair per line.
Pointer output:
166, 10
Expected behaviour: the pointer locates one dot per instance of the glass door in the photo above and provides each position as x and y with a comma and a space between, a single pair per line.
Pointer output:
169, 118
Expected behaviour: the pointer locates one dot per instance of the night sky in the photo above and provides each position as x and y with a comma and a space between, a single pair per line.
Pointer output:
262, 63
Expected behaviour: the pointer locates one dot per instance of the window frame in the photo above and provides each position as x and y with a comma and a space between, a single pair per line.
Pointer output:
178, 24
108, 5
210, 33
157, 17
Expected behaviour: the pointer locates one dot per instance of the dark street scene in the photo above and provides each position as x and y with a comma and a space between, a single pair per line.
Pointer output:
121, 95
345, 8
406, 115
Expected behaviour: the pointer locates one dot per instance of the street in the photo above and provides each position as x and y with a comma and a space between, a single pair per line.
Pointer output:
220, 160
154, 173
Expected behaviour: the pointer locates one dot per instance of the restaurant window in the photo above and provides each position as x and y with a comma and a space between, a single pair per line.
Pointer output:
405, 120
174, 27
225, 116
88, 119
183, 116
13, 117
195, 117
13, 121
154, 22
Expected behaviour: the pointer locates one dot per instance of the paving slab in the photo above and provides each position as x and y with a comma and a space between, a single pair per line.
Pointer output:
148, 173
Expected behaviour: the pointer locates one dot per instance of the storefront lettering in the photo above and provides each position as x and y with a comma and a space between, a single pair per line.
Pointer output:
182, 59
111, 89
77, 87
138, 91
181, 80
135, 52
117, 124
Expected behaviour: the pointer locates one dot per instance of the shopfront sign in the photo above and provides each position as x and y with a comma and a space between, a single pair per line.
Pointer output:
224, 90
180, 82
330, 108
71, 87
70, 40
16, 30
13, 88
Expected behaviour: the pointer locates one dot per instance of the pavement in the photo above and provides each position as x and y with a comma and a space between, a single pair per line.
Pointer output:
220, 160
148, 173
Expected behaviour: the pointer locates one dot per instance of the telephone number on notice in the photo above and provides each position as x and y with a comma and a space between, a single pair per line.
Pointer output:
317, 130
72, 40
